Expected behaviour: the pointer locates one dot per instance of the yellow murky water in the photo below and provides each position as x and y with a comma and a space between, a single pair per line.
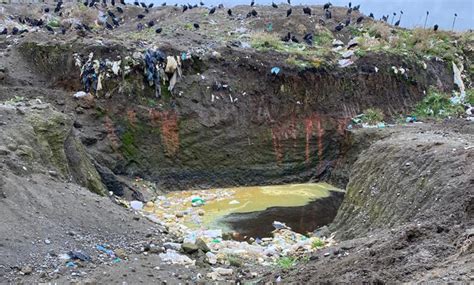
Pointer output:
177, 206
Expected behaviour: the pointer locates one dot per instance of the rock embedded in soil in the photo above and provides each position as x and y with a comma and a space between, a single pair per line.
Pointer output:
189, 248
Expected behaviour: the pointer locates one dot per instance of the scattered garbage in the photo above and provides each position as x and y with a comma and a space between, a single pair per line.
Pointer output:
105, 250
345, 62
71, 264
77, 255
80, 94
410, 119
174, 257
279, 225
197, 201
136, 205
458, 80
275, 70
348, 54
234, 202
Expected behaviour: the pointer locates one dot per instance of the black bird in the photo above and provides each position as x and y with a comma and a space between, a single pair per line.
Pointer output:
371, 15
350, 4
140, 16
229, 12
120, 10
294, 39
49, 29
46, 10
286, 38
328, 14
339, 27
123, 2
91, 4
151, 23
195, 6
143, 5
115, 22
348, 21
110, 13
112, 2
321, 22
4, 31
397, 23
212, 11
359, 20
196, 25
254, 13
201, 3
349, 11
327, 6
274, 5
136, 3
307, 11
252, 3
108, 26
289, 2
23, 31
356, 8
288, 12
104, 2
190, 6
435, 28
147, 11
163, 4
87, 28
63, 30
150, 5
385, 18
308, 38
86, 3
185, 8
15, 31
158, 30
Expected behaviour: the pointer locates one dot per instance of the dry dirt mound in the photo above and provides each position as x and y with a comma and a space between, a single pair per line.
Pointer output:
408, 212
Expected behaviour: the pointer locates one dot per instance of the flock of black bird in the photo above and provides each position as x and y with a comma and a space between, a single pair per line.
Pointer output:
112, 21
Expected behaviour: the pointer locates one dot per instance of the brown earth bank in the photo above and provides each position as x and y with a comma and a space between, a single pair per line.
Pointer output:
408, 210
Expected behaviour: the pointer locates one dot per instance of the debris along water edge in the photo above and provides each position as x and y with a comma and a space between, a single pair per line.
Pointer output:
184, 217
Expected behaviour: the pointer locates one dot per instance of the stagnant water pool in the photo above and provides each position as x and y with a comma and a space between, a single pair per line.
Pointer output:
250, 211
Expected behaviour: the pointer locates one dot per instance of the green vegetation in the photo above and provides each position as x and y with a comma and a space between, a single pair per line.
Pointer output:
234, 260
470, 96
286, 262
15, 99
437, 105
317, 243
372, 116
308, 56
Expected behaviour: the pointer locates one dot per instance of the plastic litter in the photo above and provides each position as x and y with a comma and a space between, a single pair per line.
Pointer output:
345, 62
105, 250
279, 225
79, 255
234, 202
197, 201
136, 205
458, 80
71, 264
174, 257
275, 70
80, 94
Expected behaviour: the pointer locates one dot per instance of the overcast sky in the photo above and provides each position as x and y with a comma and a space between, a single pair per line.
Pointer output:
441, 11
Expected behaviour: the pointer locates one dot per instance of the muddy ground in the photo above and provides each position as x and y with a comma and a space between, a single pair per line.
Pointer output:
407, 214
